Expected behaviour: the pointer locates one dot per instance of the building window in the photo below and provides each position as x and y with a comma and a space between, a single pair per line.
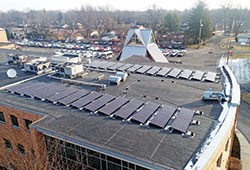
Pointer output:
33, 155
21, 149
27, 123
219, 161
226, 147
7, 144
13, 167
14, 120
2, 117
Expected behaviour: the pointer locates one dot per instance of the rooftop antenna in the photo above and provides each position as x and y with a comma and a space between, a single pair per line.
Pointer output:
11, 73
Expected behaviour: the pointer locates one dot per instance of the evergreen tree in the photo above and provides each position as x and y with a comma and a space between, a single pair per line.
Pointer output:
172, 22
199, 18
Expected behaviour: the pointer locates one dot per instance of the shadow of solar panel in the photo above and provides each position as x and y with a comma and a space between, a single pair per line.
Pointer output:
174, 73
164, 115
147, 110
210, 76
185, 74
116, 66
198, 75
49, 91
31, 91
61, 94
125, 67
153, 70
86, 99
163, 71
128, 109
134, 68
23, 85
97, 104
73, 97
183, 120
143, 69
113, 106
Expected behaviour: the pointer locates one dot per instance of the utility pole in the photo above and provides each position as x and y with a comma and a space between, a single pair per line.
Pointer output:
200, 33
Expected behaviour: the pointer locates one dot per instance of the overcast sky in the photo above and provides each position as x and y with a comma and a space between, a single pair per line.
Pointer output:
115, 4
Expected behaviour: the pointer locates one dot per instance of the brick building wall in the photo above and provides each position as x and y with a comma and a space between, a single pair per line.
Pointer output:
34, 154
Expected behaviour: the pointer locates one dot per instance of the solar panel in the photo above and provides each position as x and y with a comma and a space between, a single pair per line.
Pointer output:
116, 66
164, 115
183, 120
147, 110
125, 67
185, 74
31, 91
49, 91
210, 76
61, 94
128, 109
103, 64
143, 69
23, 85
198, 75
113, 106
134, 68
86, 99
95, 105
106, 65
23, 89
163, 71
95, 64
153, 70
73, 97
174, 73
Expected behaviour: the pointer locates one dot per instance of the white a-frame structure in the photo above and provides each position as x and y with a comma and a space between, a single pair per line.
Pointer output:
140, 42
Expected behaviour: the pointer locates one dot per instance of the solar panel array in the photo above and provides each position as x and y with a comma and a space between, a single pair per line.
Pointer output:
97, 104
128, 109
155, 70
143, 115
144, 69
183, 120
86, 99
109, 105
164, 115
113, 106
73, 97
61, 94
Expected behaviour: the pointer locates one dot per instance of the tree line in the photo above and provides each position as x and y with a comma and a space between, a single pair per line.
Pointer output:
199, 20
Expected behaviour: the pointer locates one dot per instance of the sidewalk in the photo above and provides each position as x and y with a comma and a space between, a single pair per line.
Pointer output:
245, 150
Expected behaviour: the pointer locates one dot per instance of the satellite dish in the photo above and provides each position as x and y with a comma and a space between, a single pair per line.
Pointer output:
11, 73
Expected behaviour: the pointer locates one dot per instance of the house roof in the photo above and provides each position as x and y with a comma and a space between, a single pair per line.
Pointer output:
144, 35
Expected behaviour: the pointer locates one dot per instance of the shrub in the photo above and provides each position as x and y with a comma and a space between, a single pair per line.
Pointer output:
236, 148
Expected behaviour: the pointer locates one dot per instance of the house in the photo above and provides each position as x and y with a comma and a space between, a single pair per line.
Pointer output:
140, 42
244, 38
3, 36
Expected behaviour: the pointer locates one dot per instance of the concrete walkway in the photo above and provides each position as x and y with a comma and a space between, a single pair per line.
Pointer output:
245, 150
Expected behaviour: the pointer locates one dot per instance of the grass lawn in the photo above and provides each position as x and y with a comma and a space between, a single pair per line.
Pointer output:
194, 46
245, 97
239, 55
241, 48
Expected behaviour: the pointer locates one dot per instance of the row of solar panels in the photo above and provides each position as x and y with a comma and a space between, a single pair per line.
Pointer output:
109, 105
155, 70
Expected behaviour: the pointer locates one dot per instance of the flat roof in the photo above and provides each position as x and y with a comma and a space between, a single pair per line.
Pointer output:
146, 143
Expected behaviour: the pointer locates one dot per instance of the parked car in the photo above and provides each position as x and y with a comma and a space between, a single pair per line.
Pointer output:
173, 53
180, 54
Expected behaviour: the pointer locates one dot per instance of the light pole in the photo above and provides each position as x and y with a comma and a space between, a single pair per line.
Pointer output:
201, 25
